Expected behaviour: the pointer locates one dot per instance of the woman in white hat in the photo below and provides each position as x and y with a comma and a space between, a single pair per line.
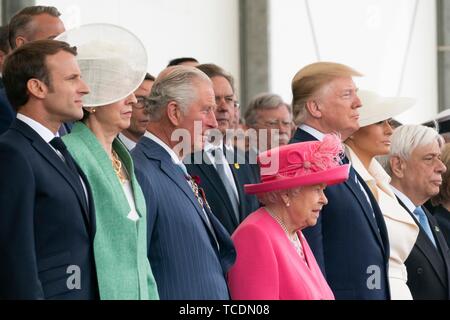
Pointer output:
112, 73
374, 139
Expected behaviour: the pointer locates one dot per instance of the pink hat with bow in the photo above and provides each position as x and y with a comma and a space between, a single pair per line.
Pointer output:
301, 164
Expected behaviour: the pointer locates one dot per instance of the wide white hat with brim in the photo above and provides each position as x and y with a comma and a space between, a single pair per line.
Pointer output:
376, 108
112, 60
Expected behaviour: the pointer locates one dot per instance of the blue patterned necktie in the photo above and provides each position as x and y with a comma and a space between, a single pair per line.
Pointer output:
423, 220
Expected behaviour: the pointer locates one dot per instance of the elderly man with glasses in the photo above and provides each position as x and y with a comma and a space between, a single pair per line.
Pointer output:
139, 117
271, 118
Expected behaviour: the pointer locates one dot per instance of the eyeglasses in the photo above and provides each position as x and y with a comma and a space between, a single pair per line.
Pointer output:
275, 123
228, 100
140, 104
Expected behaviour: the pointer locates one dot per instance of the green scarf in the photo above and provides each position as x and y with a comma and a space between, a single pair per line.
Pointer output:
120, 244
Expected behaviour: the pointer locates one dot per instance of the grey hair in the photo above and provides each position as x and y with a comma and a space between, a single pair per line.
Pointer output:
407, 138
263, 101
177, 84
274, 197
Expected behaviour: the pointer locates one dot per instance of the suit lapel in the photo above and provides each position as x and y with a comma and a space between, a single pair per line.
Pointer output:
240, 191
211, 174
154, 151
369, 212
424, 244
54, 160
302, 136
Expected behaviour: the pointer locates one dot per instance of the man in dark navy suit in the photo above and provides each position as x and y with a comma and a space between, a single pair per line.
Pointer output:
416, 171
222, 168
350, 239
6, 111
46, 221
189, 249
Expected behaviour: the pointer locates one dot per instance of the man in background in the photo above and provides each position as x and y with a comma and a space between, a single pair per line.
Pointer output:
139, 118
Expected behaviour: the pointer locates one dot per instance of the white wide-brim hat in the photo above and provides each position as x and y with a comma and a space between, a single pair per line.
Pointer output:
112, 60
376, 108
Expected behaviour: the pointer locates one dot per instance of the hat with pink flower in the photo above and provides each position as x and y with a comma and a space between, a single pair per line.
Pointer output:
301, 164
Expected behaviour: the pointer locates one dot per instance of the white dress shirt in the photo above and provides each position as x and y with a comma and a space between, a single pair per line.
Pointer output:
314, 132
403, 198
130, 144
209, 148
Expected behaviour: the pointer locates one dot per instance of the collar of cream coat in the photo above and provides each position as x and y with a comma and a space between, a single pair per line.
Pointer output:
377, 176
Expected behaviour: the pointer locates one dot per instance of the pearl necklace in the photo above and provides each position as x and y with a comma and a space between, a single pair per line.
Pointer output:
295, 241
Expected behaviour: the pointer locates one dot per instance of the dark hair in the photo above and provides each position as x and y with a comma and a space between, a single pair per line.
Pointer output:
178, 61
4, 42
29, 62
213, 70
20, 22
148, 76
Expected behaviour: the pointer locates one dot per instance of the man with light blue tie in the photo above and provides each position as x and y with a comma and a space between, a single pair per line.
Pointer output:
415, 168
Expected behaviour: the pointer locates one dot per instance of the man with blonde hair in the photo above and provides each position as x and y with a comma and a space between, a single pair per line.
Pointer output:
350, 240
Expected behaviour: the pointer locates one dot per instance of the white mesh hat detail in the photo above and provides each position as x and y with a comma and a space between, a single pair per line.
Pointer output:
376, 108
112, 60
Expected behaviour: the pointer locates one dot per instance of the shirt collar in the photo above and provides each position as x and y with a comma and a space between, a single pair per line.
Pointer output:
358, 165
212, 146
41, 130
130, 144
406, 201
314, 132
176, 160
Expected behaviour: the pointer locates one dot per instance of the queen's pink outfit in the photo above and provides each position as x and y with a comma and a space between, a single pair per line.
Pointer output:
268, 266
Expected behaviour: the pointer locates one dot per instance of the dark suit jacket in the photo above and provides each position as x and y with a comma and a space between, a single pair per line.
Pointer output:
7, 114
350, 244
46, 229
442, 217
427, 266
218, 199
182, 249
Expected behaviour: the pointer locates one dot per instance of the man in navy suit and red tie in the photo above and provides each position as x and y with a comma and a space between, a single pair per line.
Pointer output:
46, 222
350, 239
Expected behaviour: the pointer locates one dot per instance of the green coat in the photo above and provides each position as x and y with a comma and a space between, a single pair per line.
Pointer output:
120, 244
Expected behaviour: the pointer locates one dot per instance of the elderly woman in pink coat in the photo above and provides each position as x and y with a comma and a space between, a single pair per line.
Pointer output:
274, 261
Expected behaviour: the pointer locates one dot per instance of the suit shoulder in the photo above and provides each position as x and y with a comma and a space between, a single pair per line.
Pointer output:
13, 143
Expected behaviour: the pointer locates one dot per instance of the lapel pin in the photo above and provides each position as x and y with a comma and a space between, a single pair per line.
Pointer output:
236, 166
436, 228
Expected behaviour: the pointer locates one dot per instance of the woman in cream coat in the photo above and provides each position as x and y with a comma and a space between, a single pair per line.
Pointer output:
373, 139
